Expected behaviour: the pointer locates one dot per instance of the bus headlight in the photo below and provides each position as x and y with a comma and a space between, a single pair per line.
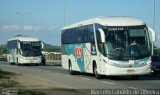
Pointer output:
149, 62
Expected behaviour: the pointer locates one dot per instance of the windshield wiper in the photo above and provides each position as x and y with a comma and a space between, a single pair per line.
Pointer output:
131, 49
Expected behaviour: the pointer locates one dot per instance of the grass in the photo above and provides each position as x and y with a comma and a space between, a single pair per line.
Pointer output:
30, 93
5, 79
5, 75
7, 82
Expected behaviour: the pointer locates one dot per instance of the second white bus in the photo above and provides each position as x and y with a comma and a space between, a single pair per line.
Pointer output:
25, 50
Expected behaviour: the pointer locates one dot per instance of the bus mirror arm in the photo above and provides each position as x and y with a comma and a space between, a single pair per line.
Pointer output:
102, 35
153, 34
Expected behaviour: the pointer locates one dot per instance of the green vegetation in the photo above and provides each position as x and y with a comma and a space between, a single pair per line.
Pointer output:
5, 75
30, 93
53, 50
8, 83
157, 52
3, 50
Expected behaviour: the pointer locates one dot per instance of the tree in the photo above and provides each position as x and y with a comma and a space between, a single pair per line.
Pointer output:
157, 52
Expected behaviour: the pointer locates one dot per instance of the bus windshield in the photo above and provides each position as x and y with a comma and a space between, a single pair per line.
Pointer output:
31, 49
128, 43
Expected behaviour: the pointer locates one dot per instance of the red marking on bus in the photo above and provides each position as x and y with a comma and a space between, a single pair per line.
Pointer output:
78, 52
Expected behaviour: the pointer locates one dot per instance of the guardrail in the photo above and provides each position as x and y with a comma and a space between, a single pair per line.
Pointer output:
53, 59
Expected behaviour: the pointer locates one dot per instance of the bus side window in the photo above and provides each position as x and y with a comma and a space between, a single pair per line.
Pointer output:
93, 49
101, 46
16, 50
91, 39
90, 34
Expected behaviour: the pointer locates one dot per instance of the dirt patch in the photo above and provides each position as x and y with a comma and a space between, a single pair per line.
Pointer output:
37, 83
7, 79
9, 83
30, 85
6, 75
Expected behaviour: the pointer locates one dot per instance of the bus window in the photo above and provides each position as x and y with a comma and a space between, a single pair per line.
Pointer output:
101, 46
91, 34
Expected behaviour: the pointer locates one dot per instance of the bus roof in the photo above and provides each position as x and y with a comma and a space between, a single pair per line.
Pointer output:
25, 38
109, 21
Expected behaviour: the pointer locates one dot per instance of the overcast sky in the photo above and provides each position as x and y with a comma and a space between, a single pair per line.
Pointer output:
44, 18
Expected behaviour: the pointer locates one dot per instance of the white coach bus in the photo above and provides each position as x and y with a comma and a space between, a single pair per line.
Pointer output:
25, 50
108, 46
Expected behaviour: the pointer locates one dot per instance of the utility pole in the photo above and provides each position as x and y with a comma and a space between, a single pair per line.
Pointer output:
154, 19
65, 3
23, 15
154, 13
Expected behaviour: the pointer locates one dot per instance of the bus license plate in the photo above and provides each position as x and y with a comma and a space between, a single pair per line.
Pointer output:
130, 71
31, 61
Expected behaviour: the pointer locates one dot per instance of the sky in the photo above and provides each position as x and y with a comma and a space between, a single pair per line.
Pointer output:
45, 18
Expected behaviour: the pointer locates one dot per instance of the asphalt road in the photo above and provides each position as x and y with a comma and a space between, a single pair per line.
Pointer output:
83, 81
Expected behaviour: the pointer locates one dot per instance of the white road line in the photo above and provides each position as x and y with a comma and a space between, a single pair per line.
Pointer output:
47, 71
39, 70
57, 73
62, 74
69, 75
108, 82
85, 78
132, 87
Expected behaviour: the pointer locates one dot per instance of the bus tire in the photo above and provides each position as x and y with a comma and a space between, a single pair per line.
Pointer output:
19, 64
17, 61
135, 77
11, 63
97, 76
43, 62
154, 74
71, 72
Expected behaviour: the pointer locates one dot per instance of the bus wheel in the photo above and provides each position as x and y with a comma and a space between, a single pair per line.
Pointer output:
135, 77
17, 61
71, 72
43, 62
154, 74
11, 63
96, 72
19, 64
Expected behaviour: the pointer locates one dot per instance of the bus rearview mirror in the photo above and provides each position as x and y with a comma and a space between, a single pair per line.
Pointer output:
153, 34
19, 46
42, 44
102, 35
153, 38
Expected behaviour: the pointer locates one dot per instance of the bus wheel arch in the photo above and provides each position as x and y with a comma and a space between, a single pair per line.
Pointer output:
95, 70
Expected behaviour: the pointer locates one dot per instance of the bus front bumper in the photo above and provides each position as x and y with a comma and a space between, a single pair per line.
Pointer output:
112, 70
35, 60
